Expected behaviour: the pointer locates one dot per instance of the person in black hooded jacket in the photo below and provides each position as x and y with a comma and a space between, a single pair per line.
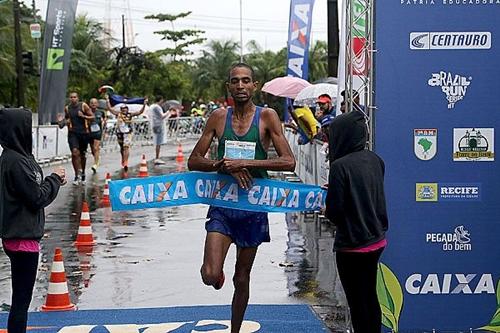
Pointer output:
355, 203
23, 195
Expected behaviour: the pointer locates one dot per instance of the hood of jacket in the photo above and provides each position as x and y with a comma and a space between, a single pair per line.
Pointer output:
15, 130
348, 133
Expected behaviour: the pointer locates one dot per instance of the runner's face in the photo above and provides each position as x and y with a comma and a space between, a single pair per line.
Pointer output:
73, 98
94, 104
240, 85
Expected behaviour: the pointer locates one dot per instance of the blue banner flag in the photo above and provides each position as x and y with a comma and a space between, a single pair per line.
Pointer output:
214, 189
299, 33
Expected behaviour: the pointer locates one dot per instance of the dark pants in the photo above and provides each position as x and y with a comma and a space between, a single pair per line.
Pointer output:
23, 266
358, 274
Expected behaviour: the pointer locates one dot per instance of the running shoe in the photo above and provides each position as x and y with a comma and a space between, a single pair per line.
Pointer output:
158, 161
77, 181
94, 168
82, 180
220, 283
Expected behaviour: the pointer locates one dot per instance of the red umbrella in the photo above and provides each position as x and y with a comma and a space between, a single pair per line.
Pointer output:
286, 86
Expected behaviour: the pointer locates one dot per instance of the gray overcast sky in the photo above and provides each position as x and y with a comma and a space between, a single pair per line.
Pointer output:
265, 21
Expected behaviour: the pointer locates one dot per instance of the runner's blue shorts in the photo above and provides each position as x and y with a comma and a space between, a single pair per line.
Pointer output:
245, 228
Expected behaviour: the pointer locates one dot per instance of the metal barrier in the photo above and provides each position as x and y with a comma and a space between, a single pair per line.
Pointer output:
51, 143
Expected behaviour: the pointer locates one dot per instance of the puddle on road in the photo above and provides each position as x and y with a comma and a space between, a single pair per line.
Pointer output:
152, 257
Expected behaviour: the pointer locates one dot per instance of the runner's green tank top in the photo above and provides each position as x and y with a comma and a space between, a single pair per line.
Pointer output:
253, 135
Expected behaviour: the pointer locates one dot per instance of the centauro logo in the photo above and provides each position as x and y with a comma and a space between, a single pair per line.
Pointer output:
450, 40
450, 284
55, 59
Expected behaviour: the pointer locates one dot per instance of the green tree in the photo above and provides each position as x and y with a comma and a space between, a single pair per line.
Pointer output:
89, 57
181, 39
7, 55
318, 61
210, 75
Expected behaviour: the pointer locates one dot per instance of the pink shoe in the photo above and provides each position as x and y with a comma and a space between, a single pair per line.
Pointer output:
220, 283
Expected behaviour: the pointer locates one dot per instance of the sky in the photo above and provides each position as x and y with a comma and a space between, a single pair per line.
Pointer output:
265, 21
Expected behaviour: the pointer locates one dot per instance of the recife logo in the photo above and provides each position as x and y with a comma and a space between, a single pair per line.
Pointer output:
452, 85
447, 192
450, 40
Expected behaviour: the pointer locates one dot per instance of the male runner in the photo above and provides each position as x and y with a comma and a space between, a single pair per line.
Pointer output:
77, 116
257, 127
96, 130
124, 128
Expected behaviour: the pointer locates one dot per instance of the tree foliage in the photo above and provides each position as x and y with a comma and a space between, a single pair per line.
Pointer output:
169, 72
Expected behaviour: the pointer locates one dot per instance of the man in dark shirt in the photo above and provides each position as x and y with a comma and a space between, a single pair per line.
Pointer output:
355, 203
77, 116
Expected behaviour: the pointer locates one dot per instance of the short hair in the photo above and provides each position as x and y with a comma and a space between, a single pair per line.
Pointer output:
74, 92
243, 65
158, 98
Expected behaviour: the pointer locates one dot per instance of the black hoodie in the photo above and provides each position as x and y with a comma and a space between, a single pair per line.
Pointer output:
23, 191
355, 202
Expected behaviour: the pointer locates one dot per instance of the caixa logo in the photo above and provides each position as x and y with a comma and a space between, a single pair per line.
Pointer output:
450, 284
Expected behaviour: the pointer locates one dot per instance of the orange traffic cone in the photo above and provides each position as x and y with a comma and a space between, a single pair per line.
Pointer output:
84, 237
143, 169
180, 154
85, 255
105, 193
58, 295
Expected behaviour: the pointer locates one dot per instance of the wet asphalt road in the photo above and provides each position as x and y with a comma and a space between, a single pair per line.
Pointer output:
152, 257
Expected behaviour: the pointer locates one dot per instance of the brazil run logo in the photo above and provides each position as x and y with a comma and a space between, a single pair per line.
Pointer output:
452, 85
55, 59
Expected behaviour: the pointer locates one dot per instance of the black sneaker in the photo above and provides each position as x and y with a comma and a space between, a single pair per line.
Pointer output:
83, 179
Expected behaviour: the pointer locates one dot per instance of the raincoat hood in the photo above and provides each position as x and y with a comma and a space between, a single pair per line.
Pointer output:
348, 134
15, 130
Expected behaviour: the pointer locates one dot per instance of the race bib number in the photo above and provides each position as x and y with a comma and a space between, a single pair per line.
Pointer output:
127, 139
94, 128
123, 128
240, 150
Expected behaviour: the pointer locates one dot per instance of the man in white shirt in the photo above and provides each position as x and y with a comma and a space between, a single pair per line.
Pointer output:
158, 125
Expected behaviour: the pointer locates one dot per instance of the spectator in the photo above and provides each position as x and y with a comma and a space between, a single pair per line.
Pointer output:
24, 195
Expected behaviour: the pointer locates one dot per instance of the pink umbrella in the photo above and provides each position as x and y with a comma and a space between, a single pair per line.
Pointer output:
286, 86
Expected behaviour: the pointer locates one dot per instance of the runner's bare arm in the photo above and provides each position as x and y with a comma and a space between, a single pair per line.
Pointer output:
285, 160
110, 108
138, 113
197, 160
87, 113
62, 120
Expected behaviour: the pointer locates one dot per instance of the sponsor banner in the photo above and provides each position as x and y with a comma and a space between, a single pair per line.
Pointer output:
453, 86
214, 189
299, 34
474, 144
450, 40
56, 59
425, 143
436, 68
451, 4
